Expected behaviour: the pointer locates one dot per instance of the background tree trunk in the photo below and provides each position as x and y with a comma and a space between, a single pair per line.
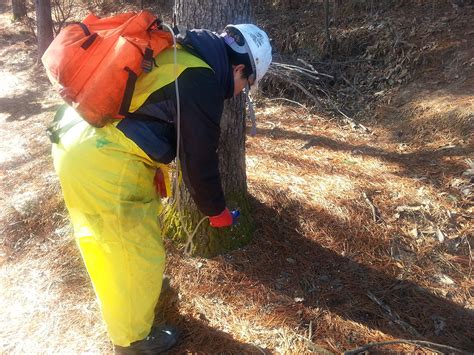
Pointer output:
212, 15
326, 23
215, 15
44, 25
18, 9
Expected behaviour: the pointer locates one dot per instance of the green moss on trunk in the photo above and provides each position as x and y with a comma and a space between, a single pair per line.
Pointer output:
209, 242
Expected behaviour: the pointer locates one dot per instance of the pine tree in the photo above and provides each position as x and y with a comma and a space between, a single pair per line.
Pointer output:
215, 15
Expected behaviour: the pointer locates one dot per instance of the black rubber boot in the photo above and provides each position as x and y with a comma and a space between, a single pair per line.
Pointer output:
160, 339
165, 285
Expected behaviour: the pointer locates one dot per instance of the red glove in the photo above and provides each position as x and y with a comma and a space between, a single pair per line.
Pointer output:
224, 219
159, 182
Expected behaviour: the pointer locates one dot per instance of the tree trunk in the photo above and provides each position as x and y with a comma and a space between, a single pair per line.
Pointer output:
212, 15
44, 25
18, 9
208, 241
337, 13
326, 23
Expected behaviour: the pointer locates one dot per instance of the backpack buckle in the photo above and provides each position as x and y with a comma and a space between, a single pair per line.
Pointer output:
148, 60
52, 134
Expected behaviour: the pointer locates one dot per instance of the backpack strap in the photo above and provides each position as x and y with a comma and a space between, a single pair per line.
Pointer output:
55, 131
163, 74
128, 94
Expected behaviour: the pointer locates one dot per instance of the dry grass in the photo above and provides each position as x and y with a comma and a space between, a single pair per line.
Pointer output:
443, 115
48, 304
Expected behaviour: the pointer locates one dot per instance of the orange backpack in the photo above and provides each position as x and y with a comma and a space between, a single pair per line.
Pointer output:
95, 63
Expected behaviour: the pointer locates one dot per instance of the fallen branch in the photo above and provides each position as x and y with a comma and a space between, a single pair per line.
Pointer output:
292, 101
310, 66
294, 75
352, 86
300, 70
422, 343
393, 316
352, 123
303, 89
314, 347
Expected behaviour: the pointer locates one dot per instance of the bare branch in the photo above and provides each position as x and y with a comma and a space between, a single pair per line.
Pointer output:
294, 75
393, 316
304, 90
352, 86
307, 64
288, 100
300, 69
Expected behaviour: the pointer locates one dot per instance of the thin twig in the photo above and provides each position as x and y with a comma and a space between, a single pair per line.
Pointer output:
295, 67
347, 62
310, 331
301, 71
393, 316
422, 343
30, 23
302, 88
313, 347
375, 214
307, 64
258, 348
352, 86
351, 121
470, 256
285, 77
293, 102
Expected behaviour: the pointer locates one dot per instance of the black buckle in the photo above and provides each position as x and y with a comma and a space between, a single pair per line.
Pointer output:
148, 60
52, 134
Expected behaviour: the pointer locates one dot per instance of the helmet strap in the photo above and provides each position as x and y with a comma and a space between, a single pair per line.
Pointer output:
251, 111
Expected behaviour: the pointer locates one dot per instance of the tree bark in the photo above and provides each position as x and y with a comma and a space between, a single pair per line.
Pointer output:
326, 23
212, 15
18, 9
337, 10
208, 241
44, 25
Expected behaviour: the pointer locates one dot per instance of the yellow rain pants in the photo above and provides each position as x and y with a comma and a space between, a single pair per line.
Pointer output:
107, 183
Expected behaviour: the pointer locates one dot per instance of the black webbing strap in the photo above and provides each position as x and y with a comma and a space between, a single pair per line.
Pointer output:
84, 28
155, 25
128, 93
87, 43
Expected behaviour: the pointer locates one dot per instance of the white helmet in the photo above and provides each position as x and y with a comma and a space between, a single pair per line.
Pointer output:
257, 45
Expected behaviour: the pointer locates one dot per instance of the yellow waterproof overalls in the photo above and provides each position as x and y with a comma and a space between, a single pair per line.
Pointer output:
107, 184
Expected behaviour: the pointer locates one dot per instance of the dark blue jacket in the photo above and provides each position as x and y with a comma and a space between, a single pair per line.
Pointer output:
202, 93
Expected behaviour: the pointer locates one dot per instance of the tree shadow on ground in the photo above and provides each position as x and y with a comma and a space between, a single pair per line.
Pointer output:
196, 336
22, 107
414, 164
328, 281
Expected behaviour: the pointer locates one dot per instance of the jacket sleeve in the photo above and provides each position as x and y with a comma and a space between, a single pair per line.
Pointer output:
201, 103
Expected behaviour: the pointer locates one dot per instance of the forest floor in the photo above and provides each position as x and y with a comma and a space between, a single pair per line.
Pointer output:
362, 235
